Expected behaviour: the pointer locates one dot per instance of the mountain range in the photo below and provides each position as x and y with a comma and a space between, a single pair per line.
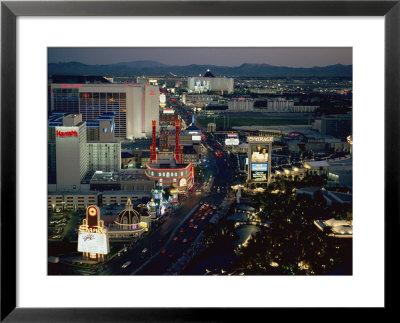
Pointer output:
153, 68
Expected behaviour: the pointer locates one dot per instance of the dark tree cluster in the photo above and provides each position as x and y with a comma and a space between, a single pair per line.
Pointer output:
293, 244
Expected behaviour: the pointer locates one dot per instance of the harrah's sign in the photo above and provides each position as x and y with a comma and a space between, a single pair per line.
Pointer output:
72, 133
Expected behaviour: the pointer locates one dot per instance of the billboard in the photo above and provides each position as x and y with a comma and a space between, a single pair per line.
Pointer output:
259, 153
231, 141
93, 243
259, 172
259, 167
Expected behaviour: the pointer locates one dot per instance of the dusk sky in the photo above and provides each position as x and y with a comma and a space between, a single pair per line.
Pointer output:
222, 56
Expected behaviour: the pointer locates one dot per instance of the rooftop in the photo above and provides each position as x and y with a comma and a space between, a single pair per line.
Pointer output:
320, 163
123, 175
192, 127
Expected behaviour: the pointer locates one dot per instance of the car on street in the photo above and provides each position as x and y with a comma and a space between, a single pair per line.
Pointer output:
126, 264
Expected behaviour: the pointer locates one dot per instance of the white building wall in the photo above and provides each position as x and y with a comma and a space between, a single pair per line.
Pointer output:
222, 83
210, 84
143, 103
72, 158
152, 108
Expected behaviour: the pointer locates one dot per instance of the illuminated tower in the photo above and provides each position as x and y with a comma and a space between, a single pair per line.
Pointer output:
153, 154
177, 152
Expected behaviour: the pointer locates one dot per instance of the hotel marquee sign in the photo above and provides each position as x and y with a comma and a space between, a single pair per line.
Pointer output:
253, 139
92, 234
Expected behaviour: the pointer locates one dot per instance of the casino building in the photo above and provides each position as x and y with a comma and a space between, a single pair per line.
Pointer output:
130, 222
209, 82
167, 166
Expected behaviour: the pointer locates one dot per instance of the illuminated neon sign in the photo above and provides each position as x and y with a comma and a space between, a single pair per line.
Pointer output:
72, 133
93, 235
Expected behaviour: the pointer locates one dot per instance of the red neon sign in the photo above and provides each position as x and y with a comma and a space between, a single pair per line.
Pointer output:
72, 133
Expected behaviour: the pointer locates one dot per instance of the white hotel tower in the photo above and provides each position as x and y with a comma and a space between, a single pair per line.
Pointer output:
71, 152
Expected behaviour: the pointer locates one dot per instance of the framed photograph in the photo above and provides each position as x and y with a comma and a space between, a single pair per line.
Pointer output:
207, 51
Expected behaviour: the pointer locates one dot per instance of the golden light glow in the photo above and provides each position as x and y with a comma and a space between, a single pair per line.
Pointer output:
98, 229
92, 211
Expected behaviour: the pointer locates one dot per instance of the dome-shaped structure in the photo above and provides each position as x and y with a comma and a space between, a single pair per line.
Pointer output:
128, 216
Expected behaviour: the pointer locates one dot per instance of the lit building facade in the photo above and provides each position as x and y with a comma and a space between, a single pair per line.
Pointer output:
130, 222
209, 82
241, 105
134, 105
167, 166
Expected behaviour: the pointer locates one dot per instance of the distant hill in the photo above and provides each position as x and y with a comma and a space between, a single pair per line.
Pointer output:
158, 69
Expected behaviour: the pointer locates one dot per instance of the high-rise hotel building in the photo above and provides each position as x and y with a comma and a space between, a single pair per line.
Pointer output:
77, 149
134, 105
71, 152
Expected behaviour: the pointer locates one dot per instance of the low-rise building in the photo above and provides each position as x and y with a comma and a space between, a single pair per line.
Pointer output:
68, 201
336, 228
317, 167
131, 222
133, 180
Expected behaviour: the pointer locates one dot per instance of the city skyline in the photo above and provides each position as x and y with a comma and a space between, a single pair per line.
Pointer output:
219, 56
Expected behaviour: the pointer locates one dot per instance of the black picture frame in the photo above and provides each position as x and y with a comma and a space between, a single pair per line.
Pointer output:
10, 10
